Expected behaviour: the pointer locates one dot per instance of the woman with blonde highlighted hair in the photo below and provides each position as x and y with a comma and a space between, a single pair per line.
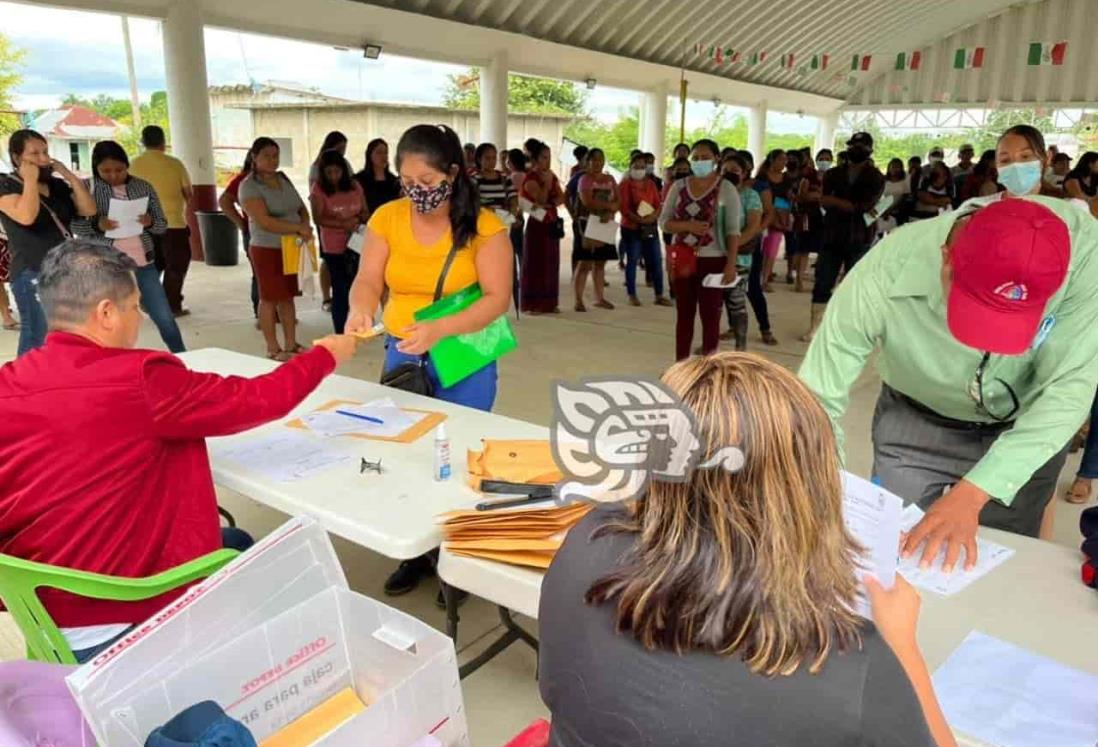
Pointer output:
719, 610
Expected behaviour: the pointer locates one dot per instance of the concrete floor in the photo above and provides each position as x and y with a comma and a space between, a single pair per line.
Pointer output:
502, 697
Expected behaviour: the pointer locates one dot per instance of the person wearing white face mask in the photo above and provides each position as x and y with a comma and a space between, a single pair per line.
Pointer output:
640, 235
703, 211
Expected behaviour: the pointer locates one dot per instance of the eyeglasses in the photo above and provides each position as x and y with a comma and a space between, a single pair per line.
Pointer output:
976, 391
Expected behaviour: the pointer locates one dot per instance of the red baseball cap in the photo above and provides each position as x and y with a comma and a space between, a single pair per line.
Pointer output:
1008, 261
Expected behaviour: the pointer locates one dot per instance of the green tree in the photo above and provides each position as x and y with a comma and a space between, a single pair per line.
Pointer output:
525, 94
11, 65
616, 139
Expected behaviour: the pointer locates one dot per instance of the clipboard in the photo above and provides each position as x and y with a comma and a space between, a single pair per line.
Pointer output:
417, 431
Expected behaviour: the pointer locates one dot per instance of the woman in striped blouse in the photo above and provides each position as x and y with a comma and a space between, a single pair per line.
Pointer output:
111, 180
498, 193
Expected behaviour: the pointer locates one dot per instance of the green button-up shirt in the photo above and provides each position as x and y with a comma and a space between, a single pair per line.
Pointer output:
893, 302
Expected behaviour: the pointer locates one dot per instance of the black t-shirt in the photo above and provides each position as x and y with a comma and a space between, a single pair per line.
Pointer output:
378, 192
29, 244
605, 689
862, 187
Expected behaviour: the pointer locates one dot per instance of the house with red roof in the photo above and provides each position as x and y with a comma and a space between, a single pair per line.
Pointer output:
71, 131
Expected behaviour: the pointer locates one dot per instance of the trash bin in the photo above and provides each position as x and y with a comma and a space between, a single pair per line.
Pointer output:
220, 238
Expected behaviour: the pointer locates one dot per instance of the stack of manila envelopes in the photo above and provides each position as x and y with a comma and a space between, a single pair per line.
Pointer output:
528, 536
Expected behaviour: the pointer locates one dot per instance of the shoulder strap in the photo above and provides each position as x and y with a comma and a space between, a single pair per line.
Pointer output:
445, 271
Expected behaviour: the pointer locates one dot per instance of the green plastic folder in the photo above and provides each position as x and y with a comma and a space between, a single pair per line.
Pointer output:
460, 356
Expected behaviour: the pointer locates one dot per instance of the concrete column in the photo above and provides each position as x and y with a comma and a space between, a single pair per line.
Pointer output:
493, 101
756, 131
642, 120
826, 125
655, 123
189, 105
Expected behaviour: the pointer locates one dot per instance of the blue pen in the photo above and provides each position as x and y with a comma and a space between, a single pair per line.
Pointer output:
367, 418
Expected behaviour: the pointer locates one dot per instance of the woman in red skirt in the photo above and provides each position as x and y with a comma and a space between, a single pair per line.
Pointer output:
541, 252
5, 276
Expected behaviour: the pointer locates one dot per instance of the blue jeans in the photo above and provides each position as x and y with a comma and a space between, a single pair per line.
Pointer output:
636, 246
342, 269
755, 293
1088, 468
156, 306
477, 391
32, 318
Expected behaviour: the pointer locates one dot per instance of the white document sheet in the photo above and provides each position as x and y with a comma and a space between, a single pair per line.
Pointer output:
990, 555
332, 423
126, 213
505, 217
525, 205
606, 232
644, 209
872, 515
1005, 695
882, 205
357, 239
285, 456
716, 280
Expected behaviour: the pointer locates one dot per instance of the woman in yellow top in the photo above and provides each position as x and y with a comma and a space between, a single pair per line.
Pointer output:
407, 242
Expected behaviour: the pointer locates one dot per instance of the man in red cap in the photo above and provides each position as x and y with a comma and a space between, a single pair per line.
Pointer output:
985, 327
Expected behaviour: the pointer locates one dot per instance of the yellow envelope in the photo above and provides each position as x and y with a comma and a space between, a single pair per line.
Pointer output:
319, 722
514, 461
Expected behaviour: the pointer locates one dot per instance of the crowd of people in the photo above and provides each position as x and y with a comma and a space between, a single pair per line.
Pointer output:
695, 596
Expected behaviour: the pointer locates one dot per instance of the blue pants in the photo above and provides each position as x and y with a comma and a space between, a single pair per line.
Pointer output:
32, 319
755, 293
342, 269
477, 391
635, 247
156, 306
1088, 468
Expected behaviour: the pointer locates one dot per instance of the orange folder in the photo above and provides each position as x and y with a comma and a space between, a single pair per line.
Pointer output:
319, 722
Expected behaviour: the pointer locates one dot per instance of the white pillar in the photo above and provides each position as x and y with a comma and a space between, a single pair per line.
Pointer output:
642, 120
826, 125
189, 105
655, 123
493, 101
756, 131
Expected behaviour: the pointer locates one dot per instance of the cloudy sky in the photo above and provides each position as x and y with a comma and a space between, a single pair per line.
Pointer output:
92, 62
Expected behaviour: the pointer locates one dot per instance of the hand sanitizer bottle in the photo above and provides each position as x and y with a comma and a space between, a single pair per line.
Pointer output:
442, 454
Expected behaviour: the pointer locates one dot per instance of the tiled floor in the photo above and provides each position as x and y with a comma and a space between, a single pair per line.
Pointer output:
502, 697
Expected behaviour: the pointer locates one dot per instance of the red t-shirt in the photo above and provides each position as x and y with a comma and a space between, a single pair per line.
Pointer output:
103, 463
635, 191
336, 205
233, 188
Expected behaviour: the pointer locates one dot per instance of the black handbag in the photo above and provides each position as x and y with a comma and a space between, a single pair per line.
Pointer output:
412, 376
556, 229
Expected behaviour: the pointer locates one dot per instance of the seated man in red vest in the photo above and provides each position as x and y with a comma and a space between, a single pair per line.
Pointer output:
103, 463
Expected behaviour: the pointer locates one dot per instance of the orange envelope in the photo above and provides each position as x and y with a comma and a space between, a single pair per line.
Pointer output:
319, 722
514, 461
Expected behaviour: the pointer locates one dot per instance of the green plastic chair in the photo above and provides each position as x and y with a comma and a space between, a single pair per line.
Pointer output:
21, 579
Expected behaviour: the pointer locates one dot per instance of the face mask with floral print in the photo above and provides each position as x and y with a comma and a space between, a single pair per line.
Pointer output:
427, 199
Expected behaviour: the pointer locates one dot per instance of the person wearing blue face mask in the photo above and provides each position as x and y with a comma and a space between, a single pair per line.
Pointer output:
1020, 161
703, 212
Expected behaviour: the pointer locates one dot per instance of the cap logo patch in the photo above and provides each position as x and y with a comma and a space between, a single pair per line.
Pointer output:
1012, 291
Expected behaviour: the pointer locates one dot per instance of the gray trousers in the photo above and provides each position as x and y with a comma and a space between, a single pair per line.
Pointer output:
918, 454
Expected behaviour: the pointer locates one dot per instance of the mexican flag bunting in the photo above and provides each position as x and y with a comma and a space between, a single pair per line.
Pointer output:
788, 61
719, 55
966, 58
733, 56
757, 58
908, 60
819, 62
1046, 53
861, 62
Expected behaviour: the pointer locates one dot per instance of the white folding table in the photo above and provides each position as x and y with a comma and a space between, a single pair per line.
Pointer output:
394, 513
1035, 600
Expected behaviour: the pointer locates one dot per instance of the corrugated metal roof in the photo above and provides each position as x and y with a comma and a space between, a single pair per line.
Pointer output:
666, 31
